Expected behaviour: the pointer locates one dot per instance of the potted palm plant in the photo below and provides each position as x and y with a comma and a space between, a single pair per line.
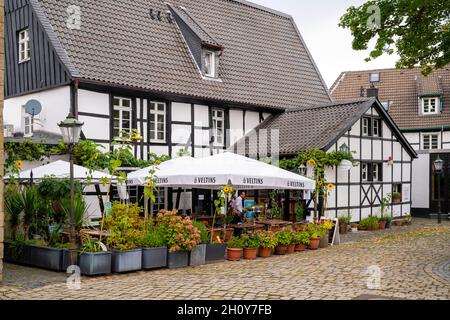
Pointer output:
251, 245
94, 258
154, 249
267, 242
301, 240
235, 248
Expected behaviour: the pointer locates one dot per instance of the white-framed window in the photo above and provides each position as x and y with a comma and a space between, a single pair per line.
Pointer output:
365, 126
209, 64
365, 172
374, 77
430, 141
218, 118
430, 105
121, 116
376, 128
157, 122
28, 125
24, 46
375, 172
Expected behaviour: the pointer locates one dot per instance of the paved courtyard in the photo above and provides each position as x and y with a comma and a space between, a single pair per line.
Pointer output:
414, 263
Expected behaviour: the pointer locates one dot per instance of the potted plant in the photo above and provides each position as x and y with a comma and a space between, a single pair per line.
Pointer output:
181, 237
215, 250
387, 220
251, 245
407, 220
267, 241
94, 260
396, 197
301, 240
284, 238
125, 225
291, 246
235, 248
314, 236
197, 256
325, 227
154, 249
369, 223
354, 227
381, 223
344, 222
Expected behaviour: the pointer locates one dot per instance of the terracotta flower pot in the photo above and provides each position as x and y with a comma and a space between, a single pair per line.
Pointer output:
290, 249
398, 223
381, 225
314, 243
234, 254
343, 228
281, 250
300, 247
250, 253
265, 252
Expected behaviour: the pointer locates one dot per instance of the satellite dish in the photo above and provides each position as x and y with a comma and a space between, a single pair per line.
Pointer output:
33, 107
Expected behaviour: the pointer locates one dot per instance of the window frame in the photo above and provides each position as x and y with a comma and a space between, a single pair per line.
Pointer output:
373, 172
25, 41
437, 106
154, 127
121, 109
366, 127
212, 62
365, 171
430, 141
377, 74
215, 119
30, 125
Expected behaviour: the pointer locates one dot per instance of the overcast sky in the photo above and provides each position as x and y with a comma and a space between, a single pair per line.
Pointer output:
330, 45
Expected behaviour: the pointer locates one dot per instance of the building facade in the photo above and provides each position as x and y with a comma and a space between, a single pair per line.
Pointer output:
420, 106
383, 156
192, 76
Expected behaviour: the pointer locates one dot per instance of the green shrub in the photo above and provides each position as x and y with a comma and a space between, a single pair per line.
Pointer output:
284, 237
251, 241
203, 231
369, 223
301, 237
90, 245
344, 220
316, 231
125, 224
267, 239
153, 237
236, 243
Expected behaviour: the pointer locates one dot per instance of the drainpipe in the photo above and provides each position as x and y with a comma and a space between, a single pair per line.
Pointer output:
74, 97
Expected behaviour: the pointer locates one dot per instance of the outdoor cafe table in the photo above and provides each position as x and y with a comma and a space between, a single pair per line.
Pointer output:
275, 223
241, 227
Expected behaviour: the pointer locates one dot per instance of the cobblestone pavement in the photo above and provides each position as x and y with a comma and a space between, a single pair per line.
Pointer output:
414, 262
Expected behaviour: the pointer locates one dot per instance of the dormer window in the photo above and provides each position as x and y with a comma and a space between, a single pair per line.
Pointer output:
24, 46
430, 105
374, 77
209, 67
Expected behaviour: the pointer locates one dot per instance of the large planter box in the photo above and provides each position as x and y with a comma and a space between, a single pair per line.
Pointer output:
178, 259
16, 254
215, 251
46, 258
95, 263
153, 258
126, 261
197, 257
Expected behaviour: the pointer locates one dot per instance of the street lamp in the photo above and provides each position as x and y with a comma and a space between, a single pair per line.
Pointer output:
438, 169
71, 130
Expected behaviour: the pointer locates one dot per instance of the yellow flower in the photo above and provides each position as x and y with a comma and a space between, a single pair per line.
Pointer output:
157, 163
226, 190
96, 156
19, 164
312, 162
321, 182
149, 184
137, 138
330, 186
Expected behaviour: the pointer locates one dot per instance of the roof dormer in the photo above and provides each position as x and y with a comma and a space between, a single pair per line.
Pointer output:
205, 50
430, 94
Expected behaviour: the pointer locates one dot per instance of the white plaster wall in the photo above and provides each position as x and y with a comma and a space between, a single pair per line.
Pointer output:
236, 125
93, 102
95, 128
160, 150
201, 115
377, 154
181, 133
420, 182
356, 129
55, 108
181, 112
201, 137
251, 121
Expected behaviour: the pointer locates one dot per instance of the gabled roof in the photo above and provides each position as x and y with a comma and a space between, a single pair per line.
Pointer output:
318, 126
265, 63
402, 87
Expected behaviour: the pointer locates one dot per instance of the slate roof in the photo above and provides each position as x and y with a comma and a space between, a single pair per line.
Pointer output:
265, 61
402, 87
314, 127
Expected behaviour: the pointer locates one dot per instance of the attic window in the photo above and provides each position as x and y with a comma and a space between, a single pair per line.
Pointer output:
24, 46
430, 105
209, 64
374, 77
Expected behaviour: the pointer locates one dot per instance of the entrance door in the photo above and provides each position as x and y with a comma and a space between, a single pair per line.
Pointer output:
444, 179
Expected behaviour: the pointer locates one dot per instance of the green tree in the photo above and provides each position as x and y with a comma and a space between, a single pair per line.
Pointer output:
418, 29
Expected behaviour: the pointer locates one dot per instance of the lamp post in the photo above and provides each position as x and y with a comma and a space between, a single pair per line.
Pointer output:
71, 130
438, 169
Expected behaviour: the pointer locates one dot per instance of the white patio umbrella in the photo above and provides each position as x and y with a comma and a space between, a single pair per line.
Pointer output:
217, 171
61, 169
